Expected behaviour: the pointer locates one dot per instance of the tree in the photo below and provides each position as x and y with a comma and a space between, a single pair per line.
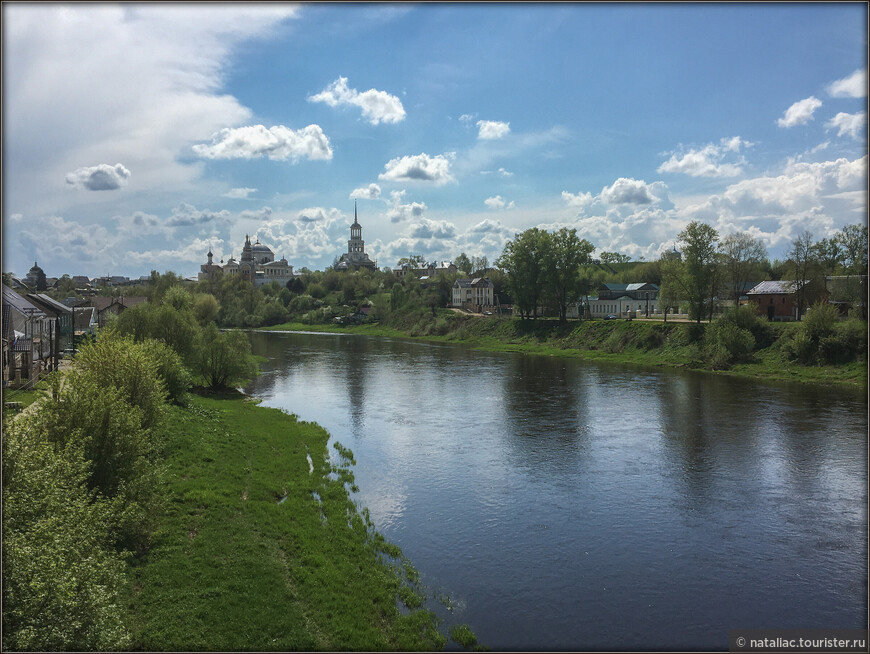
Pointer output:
829, 253
206, 308
224, 358
523, 261
743, 257
463, 263
804, 263
699, 258
853, 240
614, 257
562, 261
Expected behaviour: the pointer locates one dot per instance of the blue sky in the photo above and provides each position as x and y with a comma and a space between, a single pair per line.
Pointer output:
136, 137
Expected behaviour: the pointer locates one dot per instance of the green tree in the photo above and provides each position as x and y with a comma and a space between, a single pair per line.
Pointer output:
742, 259
205, 308
463, 263
853, 241
614, 257
806, 269
562, 261
224, 358
523, 261
700, 261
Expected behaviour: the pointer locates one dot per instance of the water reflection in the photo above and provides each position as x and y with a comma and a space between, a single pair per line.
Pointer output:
552, 498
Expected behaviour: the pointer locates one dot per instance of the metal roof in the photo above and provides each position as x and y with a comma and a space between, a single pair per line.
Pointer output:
20, 304
782, 286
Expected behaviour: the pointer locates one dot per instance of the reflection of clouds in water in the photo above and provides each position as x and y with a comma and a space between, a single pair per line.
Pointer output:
386, 507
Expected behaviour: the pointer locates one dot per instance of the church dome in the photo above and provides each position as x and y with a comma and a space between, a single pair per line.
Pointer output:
36, 270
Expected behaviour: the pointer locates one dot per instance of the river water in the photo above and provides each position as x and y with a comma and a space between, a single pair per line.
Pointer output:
565, 505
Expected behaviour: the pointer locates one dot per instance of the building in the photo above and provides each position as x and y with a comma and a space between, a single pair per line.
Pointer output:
620, 300
105, 307
777, 299
473, 294
61, 326
426, 269
355, 257
26, 347
35, 278
257, 265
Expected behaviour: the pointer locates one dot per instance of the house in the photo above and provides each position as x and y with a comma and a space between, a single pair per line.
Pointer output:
61, 327
428, 270
84, 321
105, 307
26, 350
473, 294
640, 298
777, 299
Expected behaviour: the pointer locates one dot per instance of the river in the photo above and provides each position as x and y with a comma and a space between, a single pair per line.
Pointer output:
566, 505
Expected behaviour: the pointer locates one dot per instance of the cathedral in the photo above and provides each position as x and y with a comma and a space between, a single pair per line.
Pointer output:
355, 257
257, 266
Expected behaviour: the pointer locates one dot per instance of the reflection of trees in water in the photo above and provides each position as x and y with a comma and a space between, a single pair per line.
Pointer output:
544, 402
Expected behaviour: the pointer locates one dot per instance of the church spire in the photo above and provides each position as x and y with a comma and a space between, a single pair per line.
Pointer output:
355, 221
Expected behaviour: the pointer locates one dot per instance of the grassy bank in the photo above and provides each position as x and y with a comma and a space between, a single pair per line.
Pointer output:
647, 343
260, 547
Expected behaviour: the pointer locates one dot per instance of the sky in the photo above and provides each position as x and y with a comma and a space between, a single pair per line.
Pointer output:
137, 137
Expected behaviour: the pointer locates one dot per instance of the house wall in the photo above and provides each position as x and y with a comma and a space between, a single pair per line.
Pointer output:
783, 304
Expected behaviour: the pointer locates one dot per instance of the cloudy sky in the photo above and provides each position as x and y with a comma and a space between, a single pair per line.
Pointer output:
136, 137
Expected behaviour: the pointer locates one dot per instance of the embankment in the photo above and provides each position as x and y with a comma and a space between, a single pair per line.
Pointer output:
646, 343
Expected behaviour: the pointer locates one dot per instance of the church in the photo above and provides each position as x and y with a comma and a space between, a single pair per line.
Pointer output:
355, 257
257, 266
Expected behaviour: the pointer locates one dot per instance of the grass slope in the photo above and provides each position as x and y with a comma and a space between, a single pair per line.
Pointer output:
260, 550
646, 343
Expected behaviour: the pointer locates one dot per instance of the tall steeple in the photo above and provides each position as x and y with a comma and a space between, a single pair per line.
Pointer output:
355, 221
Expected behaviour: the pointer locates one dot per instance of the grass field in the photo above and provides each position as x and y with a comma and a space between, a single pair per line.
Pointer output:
260, 547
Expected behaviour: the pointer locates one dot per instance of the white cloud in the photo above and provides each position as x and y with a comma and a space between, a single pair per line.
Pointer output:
626, 190
377, 106
492, 129
418, 168
467, 118
278, 143
581, 200
370, 192
318, 215
497, 202
186, 215
399, 212
850, 124
853, 86
505, 173
800, 112
99, 178
426, 228
145, 112
239, 193
708, 161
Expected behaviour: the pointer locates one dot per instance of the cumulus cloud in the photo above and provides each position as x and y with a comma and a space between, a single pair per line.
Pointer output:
377, 106
467, 118
850, 124
853, 86
708, 161
239, 193
185, 215
145, 113
492, 129
99, 178
399, 212
497, 202
426, 228
626, 190
278, 143
370, 192
419, 168
318, 215
800, 113
580, 200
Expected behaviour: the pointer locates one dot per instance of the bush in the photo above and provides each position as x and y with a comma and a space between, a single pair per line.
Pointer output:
224, 359
727, 343
63, 586
176, 377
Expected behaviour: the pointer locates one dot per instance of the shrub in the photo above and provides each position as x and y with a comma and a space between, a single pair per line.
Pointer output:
176, 377
224, 359
726, 343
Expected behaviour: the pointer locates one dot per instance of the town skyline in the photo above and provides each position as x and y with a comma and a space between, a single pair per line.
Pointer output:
624, 122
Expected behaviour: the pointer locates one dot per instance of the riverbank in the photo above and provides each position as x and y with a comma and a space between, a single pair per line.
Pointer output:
638, 342
260, 547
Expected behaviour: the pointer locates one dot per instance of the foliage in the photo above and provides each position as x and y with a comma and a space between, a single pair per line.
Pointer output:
614, 257
727, 342
743, 257
698, 281
463, 635
205, 308
564, 255
823, 339
63, 585
223, 359
170, 369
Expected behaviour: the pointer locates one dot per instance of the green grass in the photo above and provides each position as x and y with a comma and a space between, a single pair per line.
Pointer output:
638, 342
254, 552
